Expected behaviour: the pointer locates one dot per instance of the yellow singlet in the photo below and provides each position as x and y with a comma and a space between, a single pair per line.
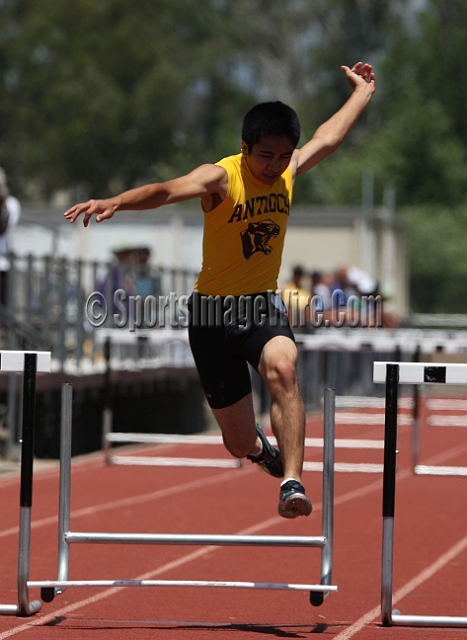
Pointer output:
244, 236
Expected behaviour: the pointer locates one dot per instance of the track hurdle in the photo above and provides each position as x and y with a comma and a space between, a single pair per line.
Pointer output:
393, 374
110, 437
436, 420
29, 364
317, 592
167, 461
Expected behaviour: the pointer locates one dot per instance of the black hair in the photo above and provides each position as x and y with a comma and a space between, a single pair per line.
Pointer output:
270, 119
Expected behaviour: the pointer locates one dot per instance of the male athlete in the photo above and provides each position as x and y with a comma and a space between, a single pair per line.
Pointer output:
246, 201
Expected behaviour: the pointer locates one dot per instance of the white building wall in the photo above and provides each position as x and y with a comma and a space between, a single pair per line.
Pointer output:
172, 245
322, 248
377, 249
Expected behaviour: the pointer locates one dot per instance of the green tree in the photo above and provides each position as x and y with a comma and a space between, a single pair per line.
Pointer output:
95, 93
415, 149
438, 248
441, 65
432, 62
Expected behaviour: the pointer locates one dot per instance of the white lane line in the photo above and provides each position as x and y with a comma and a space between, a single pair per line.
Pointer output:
266, 524
84, 462
161, 493
355, 494
194, 555
410, 586
348, 633
118, 504
102, 595
44, 619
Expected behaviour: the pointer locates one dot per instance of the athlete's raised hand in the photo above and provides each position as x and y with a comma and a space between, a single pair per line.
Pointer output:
102, 209
360, 74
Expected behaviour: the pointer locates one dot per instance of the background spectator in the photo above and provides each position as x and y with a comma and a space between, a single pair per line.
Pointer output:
297, 299
321, 288
10, 211
146, 283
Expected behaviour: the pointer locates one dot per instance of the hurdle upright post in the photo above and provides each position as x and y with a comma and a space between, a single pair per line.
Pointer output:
392, 374
28, 363
65, 489
389, 489
107, 414
317, 598
26, 608
416, 416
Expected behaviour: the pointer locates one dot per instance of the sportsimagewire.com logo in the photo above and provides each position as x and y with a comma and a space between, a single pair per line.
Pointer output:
134, 312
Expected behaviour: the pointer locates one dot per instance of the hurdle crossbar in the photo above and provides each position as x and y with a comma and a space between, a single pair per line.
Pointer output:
162, 438
28, 363
392, 374
54, 584
418, 373
225, 463
318, 592
196, 539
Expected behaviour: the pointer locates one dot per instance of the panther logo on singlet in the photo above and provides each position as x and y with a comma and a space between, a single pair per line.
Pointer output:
255, 239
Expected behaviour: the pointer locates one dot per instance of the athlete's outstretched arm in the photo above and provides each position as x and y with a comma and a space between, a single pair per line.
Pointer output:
329, 136
206, 180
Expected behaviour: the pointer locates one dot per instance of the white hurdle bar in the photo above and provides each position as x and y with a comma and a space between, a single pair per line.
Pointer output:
317, 592
28, 363
63, 584
418, 373
231, 463
226, 463
392, 374
423, 373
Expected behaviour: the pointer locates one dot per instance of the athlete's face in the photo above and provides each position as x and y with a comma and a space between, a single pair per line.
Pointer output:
269, 158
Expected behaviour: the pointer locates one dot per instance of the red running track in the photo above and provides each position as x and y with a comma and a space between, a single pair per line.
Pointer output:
430, 554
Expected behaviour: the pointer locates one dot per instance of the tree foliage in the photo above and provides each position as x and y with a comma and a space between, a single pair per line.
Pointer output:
439, 258
99, 95
96, 92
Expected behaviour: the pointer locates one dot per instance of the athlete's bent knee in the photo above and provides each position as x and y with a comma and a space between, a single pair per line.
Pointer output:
282, 373
239, 449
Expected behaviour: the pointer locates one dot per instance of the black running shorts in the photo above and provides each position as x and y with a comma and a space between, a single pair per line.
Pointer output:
228, 332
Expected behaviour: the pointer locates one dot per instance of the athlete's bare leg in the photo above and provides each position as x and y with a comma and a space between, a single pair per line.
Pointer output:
237, 424
277, 367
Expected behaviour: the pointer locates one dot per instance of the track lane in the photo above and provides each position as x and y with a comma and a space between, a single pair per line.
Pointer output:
357, 504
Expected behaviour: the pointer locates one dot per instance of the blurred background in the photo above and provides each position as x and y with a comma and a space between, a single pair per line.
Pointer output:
102, 96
